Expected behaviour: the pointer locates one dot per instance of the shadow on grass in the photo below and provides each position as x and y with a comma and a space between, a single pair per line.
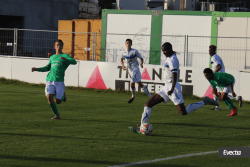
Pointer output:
161, 165
46, 159
108, 139
203, 125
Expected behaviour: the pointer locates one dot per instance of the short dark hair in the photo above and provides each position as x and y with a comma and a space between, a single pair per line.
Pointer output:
213, 47
207, 71
129, 40
60, 41
167, 46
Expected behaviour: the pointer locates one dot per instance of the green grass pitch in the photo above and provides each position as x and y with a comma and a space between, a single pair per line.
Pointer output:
93, 131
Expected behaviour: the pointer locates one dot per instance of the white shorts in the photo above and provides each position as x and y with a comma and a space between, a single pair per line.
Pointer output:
135, 74
176, 97
55, 88
226, 89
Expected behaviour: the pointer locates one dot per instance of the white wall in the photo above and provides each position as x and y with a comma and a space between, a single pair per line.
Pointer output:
124, 24
192, 26
233, 50
20, 69
79, 75
5, 66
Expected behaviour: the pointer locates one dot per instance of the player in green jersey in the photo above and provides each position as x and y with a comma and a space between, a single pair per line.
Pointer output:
226, 82
58, 63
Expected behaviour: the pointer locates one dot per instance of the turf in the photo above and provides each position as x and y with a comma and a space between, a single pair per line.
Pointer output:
94, 130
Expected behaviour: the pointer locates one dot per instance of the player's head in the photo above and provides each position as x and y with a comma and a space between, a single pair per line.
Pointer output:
58, 45
128, 44
208, 73
129, 40
212, 50
167, 49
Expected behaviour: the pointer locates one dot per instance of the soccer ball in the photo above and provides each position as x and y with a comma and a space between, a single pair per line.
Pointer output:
146, 128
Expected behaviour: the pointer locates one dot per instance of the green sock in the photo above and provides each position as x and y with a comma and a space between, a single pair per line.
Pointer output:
62, 97
229, 103
54, 108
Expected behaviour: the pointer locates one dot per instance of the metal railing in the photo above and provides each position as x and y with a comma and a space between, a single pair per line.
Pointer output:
38, 43
192, 51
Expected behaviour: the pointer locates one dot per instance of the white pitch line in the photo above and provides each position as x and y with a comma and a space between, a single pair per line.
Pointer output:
165, 159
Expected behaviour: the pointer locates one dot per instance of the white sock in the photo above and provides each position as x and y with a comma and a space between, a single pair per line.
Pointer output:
133, 92
145, 115
145, 89
217, 100
235, 98
194, 106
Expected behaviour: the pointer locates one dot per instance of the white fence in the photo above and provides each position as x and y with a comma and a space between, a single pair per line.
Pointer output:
192, 51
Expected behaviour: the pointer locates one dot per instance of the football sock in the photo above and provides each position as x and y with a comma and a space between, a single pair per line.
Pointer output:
229, 103
54, 108
146, 114
133, 92
62, 98
217, 100
145, 89
194, 106
235, 98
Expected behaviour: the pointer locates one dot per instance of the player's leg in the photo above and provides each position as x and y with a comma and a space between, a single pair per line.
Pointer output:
228, 101
135, 77
132, 85
50, 91
177, 99
229, 104
64, 97
53, 106
194, 106
145, 89
152, 101
155, 99
60, 94
218, 89
238, 98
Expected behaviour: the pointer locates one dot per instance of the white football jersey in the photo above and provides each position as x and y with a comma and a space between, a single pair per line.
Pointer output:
171, 66
131, 57
215, 61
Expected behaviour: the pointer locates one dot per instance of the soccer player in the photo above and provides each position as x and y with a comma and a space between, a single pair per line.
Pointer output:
218, 66
171, 90
225, 81
131, 55
55, 87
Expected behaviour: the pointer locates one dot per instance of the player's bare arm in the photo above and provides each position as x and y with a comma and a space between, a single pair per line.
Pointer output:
123, 67
218, 68
174, 76
141, 63
34, 69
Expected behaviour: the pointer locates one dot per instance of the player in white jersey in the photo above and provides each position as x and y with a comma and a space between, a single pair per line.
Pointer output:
132, 64
171, 90
218, 66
